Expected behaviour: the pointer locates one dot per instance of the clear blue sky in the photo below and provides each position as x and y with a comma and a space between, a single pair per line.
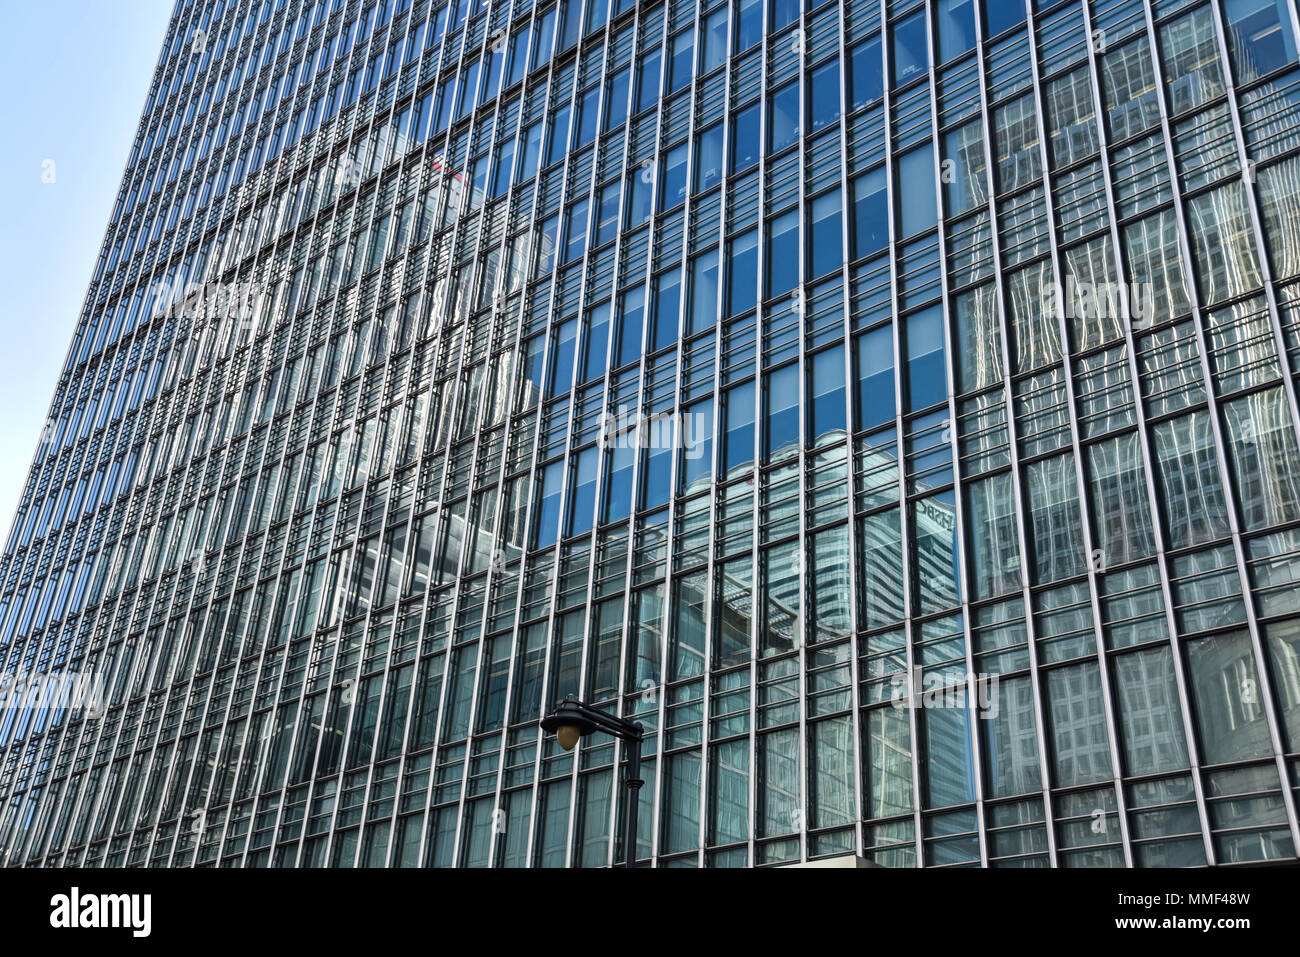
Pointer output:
75, 75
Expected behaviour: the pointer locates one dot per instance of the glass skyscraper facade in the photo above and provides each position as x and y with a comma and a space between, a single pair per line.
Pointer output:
889, 403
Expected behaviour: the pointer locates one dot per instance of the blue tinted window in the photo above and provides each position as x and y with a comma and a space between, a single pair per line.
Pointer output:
575, 243
927, 383
647, 83
673, 185
783, 254
582, 500
607, 221
667, 308
956, 28
876, 403
824, 96
704, 292
505, 164
629, 335
697, 444
738, 415
1259, 36
745, 146
562, 347
749, 24
708, 157
783, 121
870, 213
1001, 15
911, 50
618, 482
588, 113
742, 269
548, 505
682, 61
828, 413
784, 12
715, 41
782, 396
619, 87
866, 73
597, 342
825, 241
639, 195
559, 136
916, 184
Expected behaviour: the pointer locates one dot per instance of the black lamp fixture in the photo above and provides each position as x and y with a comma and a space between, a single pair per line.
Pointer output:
573, 720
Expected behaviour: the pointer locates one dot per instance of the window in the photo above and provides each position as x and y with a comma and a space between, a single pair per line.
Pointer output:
1071, 119
607, 223
964, 169
917, 209
582, 495
1121, 523
1223, 243
1264, 458
749, 24
745, 146
1015, 141
1191, 59
575, 243
1259, 37
956, 27
1081, 745
825, 243
1055, 522
927, 378
993, 549
704, 293
562, 348
866, 74
1192, 496
597, 344
870, 213
824, 96
781, 395
1226, 699
783, 118
738, 418
828, 414
673, 182
648, 80
681, 60
667, 308
911, 48
708, 157
875, 360
742, 271
782, 267
715, 41
1129, 87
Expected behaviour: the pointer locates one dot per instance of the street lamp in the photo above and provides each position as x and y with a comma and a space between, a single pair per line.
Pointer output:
573, 720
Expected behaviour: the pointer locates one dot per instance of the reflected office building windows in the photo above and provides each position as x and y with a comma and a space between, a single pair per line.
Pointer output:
890, 404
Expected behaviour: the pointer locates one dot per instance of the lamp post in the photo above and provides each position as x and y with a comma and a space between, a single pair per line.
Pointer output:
573, 720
